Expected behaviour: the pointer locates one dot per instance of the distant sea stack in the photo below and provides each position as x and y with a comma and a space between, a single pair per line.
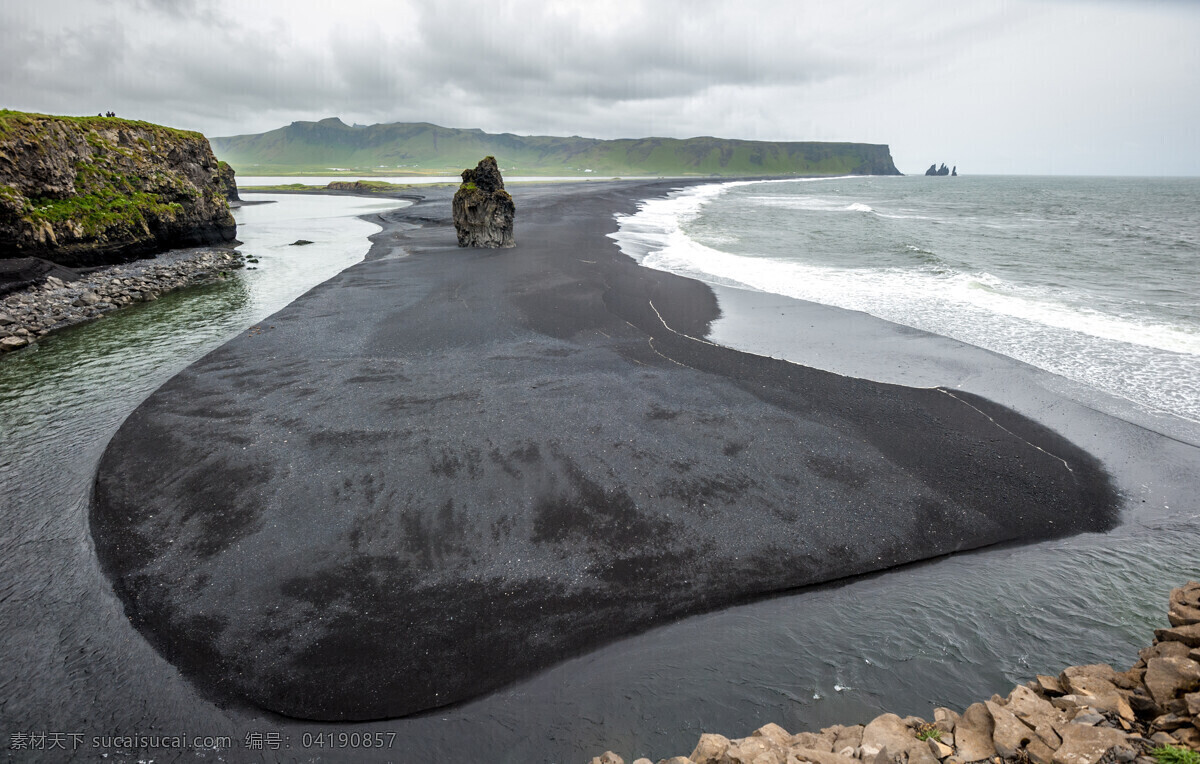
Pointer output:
89, 191
421, 147
943, 170
483, 210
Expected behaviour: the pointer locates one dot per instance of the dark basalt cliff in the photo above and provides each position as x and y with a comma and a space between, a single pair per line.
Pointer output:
227, 178
87, 191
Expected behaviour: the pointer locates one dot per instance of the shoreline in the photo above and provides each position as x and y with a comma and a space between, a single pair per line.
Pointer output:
1083, 715
38, 311
582, 331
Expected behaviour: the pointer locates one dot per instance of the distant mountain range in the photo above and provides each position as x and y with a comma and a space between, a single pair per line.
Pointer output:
422, 148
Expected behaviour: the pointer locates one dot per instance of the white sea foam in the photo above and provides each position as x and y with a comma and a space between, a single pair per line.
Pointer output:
1156, 364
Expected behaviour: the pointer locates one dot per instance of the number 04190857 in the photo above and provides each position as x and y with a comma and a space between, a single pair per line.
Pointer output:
347, 739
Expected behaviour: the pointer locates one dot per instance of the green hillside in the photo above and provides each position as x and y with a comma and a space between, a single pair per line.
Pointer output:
330, 145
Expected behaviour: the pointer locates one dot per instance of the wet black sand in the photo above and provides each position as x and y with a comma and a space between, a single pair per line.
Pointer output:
435, 474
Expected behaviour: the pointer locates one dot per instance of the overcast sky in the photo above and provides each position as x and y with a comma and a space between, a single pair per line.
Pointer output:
1052, 87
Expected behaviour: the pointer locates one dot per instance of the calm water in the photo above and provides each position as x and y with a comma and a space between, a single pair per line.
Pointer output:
944, 633
1095, 279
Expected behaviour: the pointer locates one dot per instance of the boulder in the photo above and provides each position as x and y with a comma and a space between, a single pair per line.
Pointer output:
889, 732
1088, 745
754, 750
973, 734
773, 732
800, 753
608, 757
483, 210
710, 749
1185, 605
1009, 734
1188, 634
1169, 678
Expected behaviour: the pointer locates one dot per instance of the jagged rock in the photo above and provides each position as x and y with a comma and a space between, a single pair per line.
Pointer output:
483, 210
1009, 734
1164, 650
1038, 714
939, 749
774, 732
1185, 604
954, 171
945, 719
12, 343
754, 750
1087, 745
1169, 678
1170, 722
1049, 685
227, 181
1094, 684
846, 736
815, 741
889, 731
800, 753
1188, 634
973, 734
710, 749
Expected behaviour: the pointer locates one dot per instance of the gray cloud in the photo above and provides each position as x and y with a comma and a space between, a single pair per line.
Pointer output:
1006, 87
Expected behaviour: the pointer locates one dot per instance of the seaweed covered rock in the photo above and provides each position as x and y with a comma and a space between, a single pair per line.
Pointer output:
89, 191
483, 210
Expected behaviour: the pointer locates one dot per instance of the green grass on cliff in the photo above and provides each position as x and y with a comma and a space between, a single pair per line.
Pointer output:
330, 146
104, 211
11, 121
121, 187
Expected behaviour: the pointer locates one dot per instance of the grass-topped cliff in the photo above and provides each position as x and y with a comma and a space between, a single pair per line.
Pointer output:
420, 147
84, 191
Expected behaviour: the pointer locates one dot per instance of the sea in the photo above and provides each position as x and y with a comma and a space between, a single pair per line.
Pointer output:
1096, 279
1093, 279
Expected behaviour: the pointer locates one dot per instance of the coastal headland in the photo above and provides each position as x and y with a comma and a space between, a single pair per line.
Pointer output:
446, 468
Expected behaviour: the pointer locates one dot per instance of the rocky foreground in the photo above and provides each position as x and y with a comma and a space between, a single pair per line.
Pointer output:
68, 299
1093, 714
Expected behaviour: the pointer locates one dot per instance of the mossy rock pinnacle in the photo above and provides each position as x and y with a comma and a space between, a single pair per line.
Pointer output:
483, 210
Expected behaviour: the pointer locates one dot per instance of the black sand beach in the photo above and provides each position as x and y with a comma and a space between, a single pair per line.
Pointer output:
445, 469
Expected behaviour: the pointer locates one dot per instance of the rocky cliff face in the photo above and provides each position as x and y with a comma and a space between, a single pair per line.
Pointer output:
483, 210
227, 179
85, 191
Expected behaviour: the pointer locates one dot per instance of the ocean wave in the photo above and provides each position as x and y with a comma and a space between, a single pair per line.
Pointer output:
1154, 363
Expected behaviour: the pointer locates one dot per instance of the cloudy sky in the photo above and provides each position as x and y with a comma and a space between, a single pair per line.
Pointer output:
1050, 87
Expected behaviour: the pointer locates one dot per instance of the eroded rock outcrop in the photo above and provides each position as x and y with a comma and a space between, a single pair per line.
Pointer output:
227, 178
1086, 715
483, 210
88, 191
935, 170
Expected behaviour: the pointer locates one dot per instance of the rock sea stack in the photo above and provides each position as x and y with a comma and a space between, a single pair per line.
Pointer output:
91, 191
483, 210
